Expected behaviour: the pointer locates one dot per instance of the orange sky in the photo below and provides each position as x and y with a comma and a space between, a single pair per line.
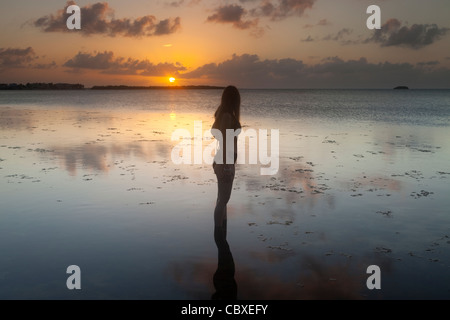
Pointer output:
258, 43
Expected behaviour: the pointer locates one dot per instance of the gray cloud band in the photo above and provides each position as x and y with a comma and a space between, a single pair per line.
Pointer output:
98, 19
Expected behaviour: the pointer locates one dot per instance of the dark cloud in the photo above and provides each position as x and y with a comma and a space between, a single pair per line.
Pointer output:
241, 18
179, 3
282, 9
249, 71
16, 57
45, 66
417, 36
106, 63
21, 58
232, 14
167, 26
252, 72
100, 61
428, 63
99, 18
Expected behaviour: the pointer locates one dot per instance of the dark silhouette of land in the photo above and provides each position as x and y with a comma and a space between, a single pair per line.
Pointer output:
71, 86
41, 86
401, 88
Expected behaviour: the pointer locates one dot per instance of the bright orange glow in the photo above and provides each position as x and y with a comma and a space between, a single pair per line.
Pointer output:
172, 80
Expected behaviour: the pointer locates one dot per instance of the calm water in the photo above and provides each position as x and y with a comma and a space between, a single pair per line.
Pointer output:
87, 179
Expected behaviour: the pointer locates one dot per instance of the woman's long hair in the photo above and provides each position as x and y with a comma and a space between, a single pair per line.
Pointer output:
231, 103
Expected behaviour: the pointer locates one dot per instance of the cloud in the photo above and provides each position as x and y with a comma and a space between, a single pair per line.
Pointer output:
428, 63
282, 8
21, 58
340, 35
308, 39
392, 33
250, 71
99, 18
16, 57
45, 66
106, 63
240, 18
101, 61
179, 3
175, 4
232, 14
417, 36
323, 22
167, 26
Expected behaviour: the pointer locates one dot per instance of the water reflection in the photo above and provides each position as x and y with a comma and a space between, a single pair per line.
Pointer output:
314, 279
15, 119
305, 276
327, 185
223, 279
100, 157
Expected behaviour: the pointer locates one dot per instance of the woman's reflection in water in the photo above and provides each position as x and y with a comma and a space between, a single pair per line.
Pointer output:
226, 117
223, 279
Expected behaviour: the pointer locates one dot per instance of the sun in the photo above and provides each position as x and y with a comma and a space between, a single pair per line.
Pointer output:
172, 79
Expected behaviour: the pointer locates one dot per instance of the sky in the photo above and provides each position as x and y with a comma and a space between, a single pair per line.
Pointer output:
247, 43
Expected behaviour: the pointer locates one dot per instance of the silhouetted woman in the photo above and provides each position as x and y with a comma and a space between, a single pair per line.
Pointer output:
226, 117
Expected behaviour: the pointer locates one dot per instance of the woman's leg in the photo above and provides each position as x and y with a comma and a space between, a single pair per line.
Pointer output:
224, 192
224, 219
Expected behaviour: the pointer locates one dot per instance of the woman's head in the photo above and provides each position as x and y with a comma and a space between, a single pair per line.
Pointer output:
231, 102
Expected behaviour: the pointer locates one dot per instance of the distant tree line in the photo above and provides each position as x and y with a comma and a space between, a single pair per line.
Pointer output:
41, 86
71, 86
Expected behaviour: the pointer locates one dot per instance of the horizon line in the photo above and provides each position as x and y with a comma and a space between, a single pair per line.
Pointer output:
77, 86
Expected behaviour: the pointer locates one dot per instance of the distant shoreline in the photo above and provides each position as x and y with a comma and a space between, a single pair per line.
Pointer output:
77, 86
41, 86
70, 86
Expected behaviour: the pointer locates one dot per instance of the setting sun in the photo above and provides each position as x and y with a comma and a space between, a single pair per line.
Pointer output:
171, 80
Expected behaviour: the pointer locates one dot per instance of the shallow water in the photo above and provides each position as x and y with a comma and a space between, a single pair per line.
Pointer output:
88, 179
